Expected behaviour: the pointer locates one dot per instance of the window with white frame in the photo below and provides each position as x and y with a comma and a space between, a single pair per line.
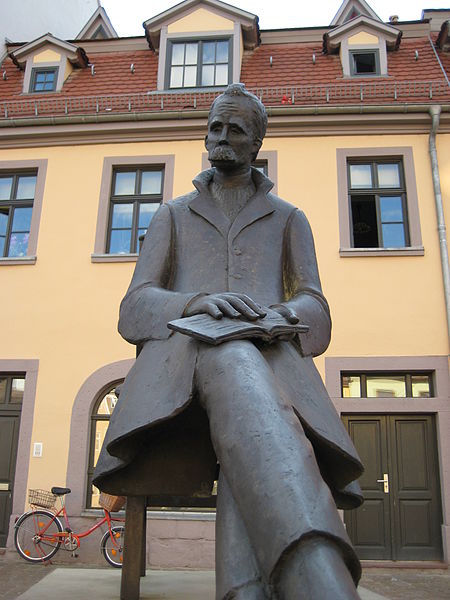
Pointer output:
199, 63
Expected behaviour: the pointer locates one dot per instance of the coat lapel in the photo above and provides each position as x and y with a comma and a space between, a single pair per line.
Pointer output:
257, 207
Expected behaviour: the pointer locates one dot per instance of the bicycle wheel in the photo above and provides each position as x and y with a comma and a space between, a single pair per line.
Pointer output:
35, 535
112, 546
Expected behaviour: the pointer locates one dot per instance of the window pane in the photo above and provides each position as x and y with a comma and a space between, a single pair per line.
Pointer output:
18, 244
191, 54
360, 176
146, 212
151, 182
107, 404
222, 52
221, 74
125, 183
364, 219
100, 432
388, 175
120, 242
122, 216
2, 390
176, 77
420, 386
386, 386
208, 75
351, 386
190, 76
4, 212
391, 209
393, 235
2, 244
364, 63
22, 219
208, 52
178, 54
5, 188
17, 389
26, 187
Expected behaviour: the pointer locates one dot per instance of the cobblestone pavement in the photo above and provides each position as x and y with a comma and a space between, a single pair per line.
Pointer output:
17, 576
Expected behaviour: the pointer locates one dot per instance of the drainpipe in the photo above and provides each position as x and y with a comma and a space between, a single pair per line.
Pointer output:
435, 112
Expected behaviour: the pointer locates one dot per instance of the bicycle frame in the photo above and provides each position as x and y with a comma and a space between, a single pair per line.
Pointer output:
68, 533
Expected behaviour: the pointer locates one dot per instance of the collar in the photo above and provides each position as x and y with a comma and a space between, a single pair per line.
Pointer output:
257, 207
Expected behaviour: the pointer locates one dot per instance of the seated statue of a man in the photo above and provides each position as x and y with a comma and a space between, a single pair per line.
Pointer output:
233, 250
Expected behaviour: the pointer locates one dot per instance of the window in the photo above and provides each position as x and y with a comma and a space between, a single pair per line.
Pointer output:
17, 191
44, 79
387, 385
99, 424
364, 63
202, 63
378, 204
12, 388
135, 197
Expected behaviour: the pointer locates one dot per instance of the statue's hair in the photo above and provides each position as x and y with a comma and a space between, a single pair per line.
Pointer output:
257, 107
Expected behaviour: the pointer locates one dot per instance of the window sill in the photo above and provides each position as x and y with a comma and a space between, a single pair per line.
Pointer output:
20, 260
108, 258
157, 514
410, 251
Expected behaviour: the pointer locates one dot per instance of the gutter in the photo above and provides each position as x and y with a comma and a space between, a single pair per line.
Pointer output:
203, 114
435, 112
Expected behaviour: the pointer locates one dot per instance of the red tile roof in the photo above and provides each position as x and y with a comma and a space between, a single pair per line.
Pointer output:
293, 78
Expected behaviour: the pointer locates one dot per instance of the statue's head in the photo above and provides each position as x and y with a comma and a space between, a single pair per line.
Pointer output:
237, 124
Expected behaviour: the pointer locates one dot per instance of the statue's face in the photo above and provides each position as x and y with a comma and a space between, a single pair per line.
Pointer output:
231, 141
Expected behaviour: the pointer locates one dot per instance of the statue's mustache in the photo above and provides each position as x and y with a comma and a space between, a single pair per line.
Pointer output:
222, 153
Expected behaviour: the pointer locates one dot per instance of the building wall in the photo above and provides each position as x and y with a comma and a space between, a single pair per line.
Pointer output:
63, 310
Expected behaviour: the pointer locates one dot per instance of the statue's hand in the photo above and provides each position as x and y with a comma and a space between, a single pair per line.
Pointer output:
226, 304
290, 317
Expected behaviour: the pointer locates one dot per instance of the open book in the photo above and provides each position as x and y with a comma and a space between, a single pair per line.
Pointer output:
215, 331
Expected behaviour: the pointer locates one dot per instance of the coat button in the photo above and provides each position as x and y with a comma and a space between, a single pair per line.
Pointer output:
237, 251
236, 276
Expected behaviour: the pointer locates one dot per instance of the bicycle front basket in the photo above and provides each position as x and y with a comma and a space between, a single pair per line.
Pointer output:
41, 498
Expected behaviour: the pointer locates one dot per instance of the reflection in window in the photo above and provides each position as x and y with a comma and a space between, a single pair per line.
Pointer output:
99, 424
17, 192
43, 80
377, 196
386, 385
12, 388
199, 63
135, 197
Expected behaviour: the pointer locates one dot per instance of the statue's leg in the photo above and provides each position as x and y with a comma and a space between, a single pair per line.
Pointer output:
267, 460
237, 572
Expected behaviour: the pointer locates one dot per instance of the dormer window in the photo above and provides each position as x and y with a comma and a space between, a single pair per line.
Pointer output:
43, 80
201, 63
364, 62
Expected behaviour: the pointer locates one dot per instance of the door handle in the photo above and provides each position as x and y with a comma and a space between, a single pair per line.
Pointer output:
4, 487
385, 482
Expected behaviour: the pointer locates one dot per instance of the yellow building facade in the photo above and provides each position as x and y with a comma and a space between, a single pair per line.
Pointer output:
386, 368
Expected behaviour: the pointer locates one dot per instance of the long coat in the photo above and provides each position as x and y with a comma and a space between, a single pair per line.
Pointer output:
190, 249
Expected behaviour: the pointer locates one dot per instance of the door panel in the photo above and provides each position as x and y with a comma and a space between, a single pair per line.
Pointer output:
9, 433
416, 502
405, 523
369, 526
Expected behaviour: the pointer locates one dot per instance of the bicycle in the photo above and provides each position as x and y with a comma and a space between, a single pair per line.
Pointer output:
39, 533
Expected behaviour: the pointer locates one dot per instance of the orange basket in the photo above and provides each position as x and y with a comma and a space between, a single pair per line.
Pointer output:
111, 503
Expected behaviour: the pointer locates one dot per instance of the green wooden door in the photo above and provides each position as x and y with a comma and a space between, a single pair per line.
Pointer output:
9, 435
401, 515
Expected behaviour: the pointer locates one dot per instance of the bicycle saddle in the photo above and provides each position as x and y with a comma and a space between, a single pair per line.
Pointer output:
60, 491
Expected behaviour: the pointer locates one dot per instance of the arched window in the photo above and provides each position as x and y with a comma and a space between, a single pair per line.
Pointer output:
101, 414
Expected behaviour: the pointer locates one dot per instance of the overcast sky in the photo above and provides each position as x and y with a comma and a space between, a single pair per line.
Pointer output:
127, 16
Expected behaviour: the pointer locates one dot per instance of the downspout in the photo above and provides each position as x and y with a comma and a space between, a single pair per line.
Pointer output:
435, 112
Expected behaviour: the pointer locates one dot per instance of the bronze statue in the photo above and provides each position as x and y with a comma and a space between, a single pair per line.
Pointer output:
235, 251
